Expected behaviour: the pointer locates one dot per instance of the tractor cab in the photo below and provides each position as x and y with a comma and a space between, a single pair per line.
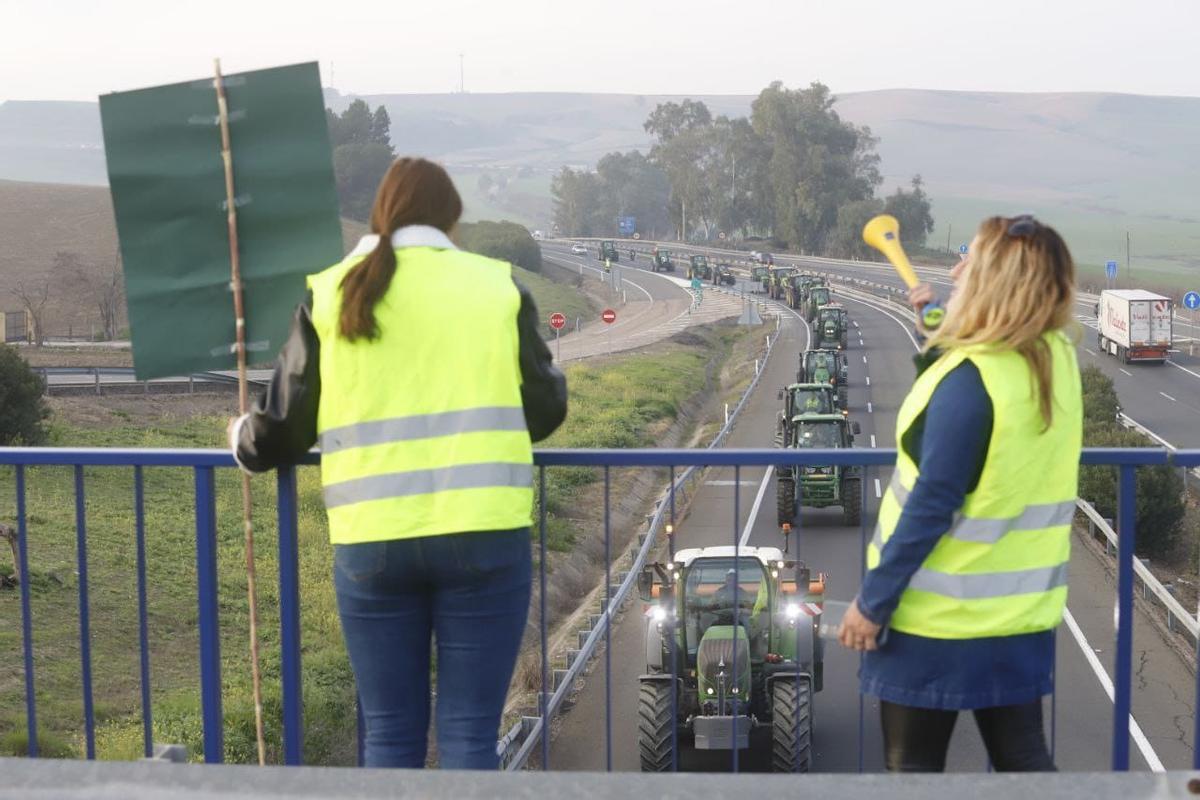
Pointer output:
662, 261
698, 268
817, 296
808, 398
759, 275
831, 326
826, 366
608, 252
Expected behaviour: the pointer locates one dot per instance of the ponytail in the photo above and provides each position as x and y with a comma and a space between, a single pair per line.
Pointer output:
364, 286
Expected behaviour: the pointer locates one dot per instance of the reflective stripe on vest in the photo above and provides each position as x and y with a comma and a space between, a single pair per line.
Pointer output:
422, 426
1000, 568
422, 429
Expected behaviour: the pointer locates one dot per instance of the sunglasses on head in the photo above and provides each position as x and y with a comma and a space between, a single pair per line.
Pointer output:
1023, 225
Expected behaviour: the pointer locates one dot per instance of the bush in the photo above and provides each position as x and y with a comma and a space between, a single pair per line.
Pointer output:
506, 241
21, 400
16, 744
1160, 506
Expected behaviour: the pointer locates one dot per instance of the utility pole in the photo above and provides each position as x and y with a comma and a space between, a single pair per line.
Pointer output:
1128, 263
949, 228
683, 220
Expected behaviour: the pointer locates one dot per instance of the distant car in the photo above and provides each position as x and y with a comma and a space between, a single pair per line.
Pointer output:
579, 250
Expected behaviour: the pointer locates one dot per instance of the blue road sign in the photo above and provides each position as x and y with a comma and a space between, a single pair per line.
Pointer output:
626, 225
1110, 269
1191, 300
962, 248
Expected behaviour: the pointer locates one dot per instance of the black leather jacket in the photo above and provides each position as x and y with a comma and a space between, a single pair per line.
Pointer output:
282, 426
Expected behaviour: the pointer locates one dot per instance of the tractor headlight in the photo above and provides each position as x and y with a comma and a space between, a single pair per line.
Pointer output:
658, 613
791, 611
710, 690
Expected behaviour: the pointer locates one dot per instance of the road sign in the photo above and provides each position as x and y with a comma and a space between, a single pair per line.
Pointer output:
626, 225
1191, 300
721, 235
557, 320
1110, 269
637, 235
962, 248
609, 316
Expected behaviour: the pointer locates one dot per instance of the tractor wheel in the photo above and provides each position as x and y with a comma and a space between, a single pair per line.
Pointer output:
654, 725
791, 725
785, 499
852, 501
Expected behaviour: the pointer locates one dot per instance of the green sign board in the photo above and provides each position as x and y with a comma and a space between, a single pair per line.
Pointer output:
165, 170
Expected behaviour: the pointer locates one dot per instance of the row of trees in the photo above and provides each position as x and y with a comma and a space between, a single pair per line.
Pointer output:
793, 171
362, 152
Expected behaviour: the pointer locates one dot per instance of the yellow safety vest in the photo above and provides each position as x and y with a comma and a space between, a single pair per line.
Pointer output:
1001, 568
422, 430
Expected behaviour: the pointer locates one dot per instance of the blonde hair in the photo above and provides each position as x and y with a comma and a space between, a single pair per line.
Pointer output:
1018, 284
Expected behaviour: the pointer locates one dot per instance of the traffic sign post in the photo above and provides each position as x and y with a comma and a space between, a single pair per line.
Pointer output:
609, 317
962, 249
1110, 269
557, 321
1191, 301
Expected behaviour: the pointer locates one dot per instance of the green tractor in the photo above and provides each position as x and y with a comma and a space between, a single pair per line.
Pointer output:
794, 290
732, 647
831, 327
661, 261
759, 276
817, 296
698, 268
828, 367
804, 398
723, 275
608, 252
819, 486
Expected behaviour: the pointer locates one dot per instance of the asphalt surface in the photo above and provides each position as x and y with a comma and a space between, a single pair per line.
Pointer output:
650, 306
846, 736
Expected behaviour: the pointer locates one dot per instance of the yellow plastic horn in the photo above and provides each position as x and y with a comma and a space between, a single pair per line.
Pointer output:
883, 233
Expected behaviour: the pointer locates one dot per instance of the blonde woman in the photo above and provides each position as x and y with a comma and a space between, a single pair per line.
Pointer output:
968, 562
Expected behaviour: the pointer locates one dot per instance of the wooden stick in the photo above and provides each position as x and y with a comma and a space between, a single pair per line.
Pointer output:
243, 404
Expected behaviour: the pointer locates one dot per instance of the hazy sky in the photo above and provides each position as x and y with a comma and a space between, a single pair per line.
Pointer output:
76, 49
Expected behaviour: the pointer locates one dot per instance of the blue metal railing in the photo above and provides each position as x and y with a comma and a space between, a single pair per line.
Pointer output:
204, 463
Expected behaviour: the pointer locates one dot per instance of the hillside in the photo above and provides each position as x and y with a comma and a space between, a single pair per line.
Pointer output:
1096, 165
38, 220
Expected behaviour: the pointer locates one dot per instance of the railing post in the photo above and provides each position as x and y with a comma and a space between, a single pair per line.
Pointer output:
1126, 539
139, 510
210, 633
85, 627
26, 614
289, 619
543, 697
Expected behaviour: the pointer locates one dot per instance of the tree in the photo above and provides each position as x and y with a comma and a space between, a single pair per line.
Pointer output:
846, 240
1160, 506
913, 210
505, 240
362, 153
579, 204
34, 294
103, 287
21, 398
817, 162
630, 185
668, 120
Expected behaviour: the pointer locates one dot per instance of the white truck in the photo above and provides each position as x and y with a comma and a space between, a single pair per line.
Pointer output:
1134, 325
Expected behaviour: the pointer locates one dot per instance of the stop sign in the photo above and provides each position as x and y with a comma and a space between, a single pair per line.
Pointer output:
609, 316
557, 320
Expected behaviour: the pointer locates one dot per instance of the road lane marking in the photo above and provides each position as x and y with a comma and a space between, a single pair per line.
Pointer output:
868, 380
1089, 352
1185, 369
864, 359
1127, 372
1135, 730
872, 440
878, 488
1172, 399
728, 483
870, 410
758, 498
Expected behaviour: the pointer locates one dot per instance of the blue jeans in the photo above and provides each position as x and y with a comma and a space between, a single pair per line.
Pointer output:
471, 592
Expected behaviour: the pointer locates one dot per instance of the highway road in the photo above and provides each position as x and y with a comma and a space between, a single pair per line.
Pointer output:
658, 305
881, 373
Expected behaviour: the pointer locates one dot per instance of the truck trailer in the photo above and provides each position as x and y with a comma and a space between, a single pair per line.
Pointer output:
1134, 325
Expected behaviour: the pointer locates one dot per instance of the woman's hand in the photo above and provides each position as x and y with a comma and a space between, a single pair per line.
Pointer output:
919, 296
857, 632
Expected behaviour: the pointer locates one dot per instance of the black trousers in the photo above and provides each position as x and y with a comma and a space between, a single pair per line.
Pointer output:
916, 739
